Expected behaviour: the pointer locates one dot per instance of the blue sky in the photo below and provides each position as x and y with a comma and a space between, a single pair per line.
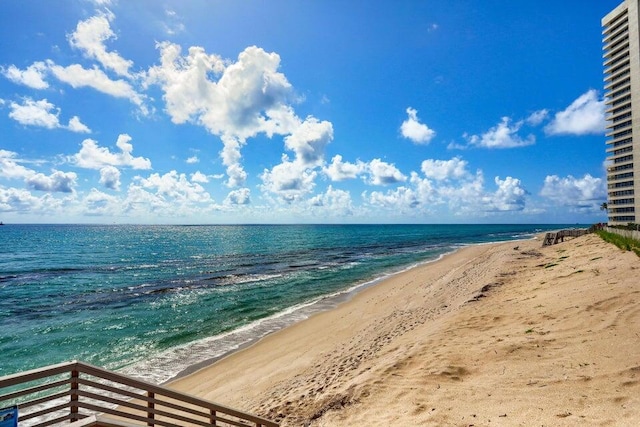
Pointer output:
197, 111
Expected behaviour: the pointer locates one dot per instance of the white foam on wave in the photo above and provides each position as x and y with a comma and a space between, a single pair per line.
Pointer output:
189, 357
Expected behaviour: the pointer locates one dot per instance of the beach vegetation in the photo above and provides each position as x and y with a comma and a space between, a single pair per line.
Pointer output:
624, 243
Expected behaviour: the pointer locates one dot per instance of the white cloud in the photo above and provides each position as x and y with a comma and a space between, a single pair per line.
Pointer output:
241, 196
90, 36
537, 117
56, 182
333, 203
173, 25
510, 195
234, 100
417, 132
32, 77
503, 135
447, 182
110, 177
444, 169
193, 159
17, 200
91, 156
339, 170
582, 192
174, 186
97, 203
35, 113
199, 177
400, 199
10, 167
289, 180
75, 125
465, 196
309, 140
44, 114
76, 76
585, 115
382, 173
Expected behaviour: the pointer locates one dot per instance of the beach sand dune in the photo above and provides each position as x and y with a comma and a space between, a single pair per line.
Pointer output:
502, 334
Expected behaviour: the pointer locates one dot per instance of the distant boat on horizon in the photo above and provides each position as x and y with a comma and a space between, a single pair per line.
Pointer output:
1, 223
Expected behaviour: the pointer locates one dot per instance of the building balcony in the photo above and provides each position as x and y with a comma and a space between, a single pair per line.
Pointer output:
612, 78
613, 56
619, 57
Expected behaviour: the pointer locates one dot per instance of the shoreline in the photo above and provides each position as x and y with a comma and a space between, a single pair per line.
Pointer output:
296, 314
292, 316
514, 333
335, 299
457, 258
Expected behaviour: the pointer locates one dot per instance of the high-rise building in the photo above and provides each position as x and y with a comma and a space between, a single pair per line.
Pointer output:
621, 39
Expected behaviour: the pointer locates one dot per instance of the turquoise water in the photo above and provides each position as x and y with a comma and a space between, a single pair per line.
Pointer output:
155, 300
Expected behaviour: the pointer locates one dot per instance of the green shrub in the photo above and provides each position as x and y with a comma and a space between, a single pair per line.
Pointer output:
625, 243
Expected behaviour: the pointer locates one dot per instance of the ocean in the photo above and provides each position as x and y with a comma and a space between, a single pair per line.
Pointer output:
154, 301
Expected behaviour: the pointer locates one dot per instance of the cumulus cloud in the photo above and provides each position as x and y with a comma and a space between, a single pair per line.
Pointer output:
339, 170
110, 177
35, 113
309, 140
447, 182
333, 203
289, 180
75, 125
401, 198
77, 76
234, 100
510, 195
444, 169
199, 177
33, 76
585, 115
503, 135
241, 196
92, 156
97, 203
173, 186
585, 192
17, 200
417, 132
11, 168
44, 114
90, 37
383, 173
56, 182
537, 117
193, 159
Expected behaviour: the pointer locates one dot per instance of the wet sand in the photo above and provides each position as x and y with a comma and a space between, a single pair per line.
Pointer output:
502, 334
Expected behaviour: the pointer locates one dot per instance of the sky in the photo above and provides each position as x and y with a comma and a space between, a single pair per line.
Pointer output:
281, 111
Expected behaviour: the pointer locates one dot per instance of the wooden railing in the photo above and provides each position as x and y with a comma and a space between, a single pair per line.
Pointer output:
92, 396
558, 236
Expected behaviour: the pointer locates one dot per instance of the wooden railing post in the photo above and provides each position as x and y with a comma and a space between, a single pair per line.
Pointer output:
101, 390
75, 374
150, 405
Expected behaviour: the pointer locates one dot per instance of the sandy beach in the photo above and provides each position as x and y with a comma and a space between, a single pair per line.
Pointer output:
502, 334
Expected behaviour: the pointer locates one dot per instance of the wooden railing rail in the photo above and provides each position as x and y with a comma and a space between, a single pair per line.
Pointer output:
558, 236
75, 391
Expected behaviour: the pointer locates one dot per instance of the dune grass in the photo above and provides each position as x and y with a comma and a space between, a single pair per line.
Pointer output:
624, 243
